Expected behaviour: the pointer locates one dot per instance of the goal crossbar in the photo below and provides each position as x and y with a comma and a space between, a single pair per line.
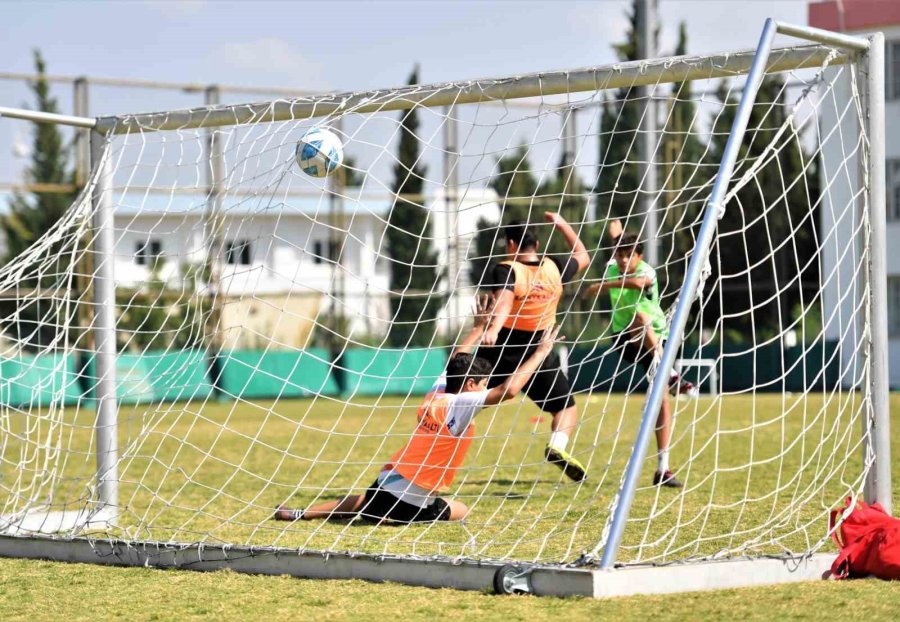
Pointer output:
543, 84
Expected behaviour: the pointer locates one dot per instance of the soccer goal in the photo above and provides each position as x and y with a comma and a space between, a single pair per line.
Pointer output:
209, 332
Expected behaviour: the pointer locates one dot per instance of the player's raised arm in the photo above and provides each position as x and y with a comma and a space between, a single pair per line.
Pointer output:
579, 251
615, 229
503, 304
481, 315
518, 379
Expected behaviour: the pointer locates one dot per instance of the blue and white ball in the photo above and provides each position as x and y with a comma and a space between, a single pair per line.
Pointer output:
319, 152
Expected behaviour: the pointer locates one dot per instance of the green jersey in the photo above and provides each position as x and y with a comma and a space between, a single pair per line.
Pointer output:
626, 302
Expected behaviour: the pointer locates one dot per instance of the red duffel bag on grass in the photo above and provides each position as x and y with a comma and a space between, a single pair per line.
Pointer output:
869, 542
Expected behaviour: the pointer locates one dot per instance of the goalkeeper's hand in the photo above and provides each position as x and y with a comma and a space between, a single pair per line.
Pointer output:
481, 314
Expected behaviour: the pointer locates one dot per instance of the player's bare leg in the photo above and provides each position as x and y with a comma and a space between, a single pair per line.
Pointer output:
347, 507
562, 428
458, 510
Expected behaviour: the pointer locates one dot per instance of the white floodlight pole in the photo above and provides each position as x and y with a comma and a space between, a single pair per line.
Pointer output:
451, 219
659, 385
647, 175
215, 179
104, 325
878, 484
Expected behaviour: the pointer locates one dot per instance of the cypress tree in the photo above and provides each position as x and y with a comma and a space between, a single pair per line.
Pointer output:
415, 300
32, 215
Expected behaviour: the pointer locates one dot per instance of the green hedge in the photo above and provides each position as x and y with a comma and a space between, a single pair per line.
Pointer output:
368, 371
158, 376
38, 380
272, 374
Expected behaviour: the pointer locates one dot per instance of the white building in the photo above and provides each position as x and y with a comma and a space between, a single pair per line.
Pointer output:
278, 276
860, 17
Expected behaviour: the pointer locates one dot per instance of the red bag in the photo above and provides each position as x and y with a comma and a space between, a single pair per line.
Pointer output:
869, 542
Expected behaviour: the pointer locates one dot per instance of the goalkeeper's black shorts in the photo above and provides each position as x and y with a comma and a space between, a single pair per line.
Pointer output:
379, 506
548, 388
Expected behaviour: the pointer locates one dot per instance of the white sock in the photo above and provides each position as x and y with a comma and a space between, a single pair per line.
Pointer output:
662, 461
558, 441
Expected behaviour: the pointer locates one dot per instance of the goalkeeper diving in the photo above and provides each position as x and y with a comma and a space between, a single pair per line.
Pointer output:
408, 487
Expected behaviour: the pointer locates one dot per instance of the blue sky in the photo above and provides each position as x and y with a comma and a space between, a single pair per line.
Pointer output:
333, 45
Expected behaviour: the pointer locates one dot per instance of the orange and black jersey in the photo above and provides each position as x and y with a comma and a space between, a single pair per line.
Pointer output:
537, 286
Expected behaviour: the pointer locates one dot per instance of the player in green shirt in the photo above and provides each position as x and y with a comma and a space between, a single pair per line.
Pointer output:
640, 326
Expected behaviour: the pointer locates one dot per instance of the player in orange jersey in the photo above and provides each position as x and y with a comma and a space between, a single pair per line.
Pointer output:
407, 489
527, 289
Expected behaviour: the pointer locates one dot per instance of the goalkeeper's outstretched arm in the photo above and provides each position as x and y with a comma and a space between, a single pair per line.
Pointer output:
481, 314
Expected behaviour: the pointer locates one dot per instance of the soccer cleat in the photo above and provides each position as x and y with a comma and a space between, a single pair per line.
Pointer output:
285, 513
573, 469
666, 479
677, 386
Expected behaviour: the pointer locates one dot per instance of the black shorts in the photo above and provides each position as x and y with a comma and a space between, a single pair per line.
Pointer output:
548, 388
380, 505
632, 353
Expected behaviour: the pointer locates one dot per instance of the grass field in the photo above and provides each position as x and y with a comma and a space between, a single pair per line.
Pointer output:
762, 474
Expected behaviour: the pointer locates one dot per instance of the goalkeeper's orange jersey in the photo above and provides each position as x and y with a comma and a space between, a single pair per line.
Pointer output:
434, 454
537, 292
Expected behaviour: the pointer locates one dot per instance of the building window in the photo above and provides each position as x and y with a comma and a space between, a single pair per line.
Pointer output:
893, 189
892, 73
237, 252
147, 252
894, 306
318, 251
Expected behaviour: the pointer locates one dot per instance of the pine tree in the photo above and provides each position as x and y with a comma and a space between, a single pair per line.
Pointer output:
618, 174
414, 273
30, 216
768, 226
682, 169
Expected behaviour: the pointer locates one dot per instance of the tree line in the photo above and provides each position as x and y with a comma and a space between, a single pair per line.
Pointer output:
767, 226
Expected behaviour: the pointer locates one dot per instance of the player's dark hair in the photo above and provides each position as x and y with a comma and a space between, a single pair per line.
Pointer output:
519, 232
630, 241
464, 367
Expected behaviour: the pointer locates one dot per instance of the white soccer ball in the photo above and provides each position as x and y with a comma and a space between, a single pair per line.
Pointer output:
319, 152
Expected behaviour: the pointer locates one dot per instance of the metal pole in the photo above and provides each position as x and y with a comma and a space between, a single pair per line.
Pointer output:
81, 104
647, 170
878, 484
47, 117
451, 216
105, 326
214, 244
336, 240
659, 385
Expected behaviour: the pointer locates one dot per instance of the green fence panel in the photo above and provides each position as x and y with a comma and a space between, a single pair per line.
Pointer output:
391, 372
813, 367
270, 374
767, 368
158, 376
39, 380
597, 370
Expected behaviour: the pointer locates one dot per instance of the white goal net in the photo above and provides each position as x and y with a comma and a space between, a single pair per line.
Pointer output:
276, 333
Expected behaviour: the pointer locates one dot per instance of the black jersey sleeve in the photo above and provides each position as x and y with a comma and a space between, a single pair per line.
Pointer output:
568, 267
502, 277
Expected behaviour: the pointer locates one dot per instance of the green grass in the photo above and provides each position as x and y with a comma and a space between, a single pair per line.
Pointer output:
762, 476
32, 590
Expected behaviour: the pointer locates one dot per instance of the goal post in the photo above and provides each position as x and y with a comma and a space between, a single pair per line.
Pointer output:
878, 486
258, 336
